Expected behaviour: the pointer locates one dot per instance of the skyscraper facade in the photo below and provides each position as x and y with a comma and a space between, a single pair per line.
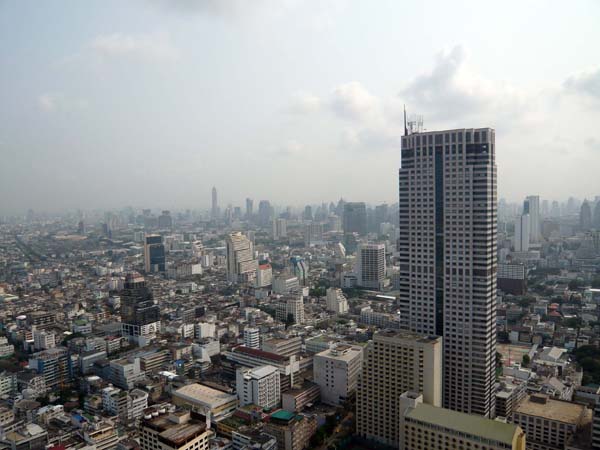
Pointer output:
585, 215
140, 315
241, 265
522, 233
154, 253
532, 205
355, 218
214, 210
265, 212
249, 208
447, 255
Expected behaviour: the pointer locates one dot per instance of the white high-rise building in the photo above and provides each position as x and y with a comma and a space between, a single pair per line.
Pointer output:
252, 337
264, 276
522, 237
447, 256
241, 265
279, 229
336, 371
371, 266
532, 207
258, 386
336, 301
43, 340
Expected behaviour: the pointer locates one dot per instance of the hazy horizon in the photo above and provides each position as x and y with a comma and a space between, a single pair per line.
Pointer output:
152, 102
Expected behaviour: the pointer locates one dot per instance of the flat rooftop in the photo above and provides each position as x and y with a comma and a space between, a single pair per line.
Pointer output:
205, 395
464, 423
341, 352
558, 410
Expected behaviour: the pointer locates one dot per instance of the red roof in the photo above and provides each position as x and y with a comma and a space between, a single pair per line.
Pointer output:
259, 353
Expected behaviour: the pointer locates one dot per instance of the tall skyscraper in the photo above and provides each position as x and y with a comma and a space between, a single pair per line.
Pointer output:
532, 207
241, 265
395, 362
585, 215
249, 208
279, 229
355, 218
140, 315
447, 256
214, 210
265, 212
165, 220
371, 266
154, 253
522, 233
596, 218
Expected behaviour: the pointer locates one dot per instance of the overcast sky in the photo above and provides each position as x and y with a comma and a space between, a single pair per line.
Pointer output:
152, 102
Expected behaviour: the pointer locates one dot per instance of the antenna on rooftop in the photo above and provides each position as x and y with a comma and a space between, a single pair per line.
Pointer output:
405, 128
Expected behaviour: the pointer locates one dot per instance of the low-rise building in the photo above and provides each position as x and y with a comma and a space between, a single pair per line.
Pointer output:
292, 431
205, 400
173, 430
336, 371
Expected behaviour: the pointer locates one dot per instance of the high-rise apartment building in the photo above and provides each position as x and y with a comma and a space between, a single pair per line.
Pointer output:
531, 206
291, 307
140, 315
393, 363
241, 265
522, 230
447, 256
265, 212
355, 218
371, 266
154, 253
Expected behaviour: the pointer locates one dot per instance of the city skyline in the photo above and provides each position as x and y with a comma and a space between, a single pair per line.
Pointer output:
147, 102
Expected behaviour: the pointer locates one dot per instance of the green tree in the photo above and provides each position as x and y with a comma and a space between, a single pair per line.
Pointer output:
526, 361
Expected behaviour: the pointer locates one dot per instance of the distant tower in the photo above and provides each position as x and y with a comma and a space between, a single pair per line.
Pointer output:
215, 204
533, 209
154, 253
585, 216
596, 221
165, 221
522, 233
355, 218
249, 208
241, 265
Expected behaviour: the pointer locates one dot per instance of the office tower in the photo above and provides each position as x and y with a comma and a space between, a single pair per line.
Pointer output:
429, 427
532, 207
336, 371
165, 221
300, 269
154, 253
81, 227
355, 218
174, 430
307, 215
395, 362
522, 237
214, 210
258, 386
279, 229
555, 211
265, 212
249, 208
447, 256
252, 337
380, 216
241, 265
140, 315
545, 209
336, 301
585, 216
371, 266
596, 218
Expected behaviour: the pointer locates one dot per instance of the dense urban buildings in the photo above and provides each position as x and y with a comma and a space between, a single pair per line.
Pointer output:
447, 256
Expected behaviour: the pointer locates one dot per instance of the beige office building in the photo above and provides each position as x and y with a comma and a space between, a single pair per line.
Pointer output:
395, 362
427, 427
549, 423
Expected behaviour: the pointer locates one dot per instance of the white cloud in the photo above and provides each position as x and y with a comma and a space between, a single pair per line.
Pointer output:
592, 144
585, 83
151, 47
353, 101
51, 102
454, 90
304, 103
291, 148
